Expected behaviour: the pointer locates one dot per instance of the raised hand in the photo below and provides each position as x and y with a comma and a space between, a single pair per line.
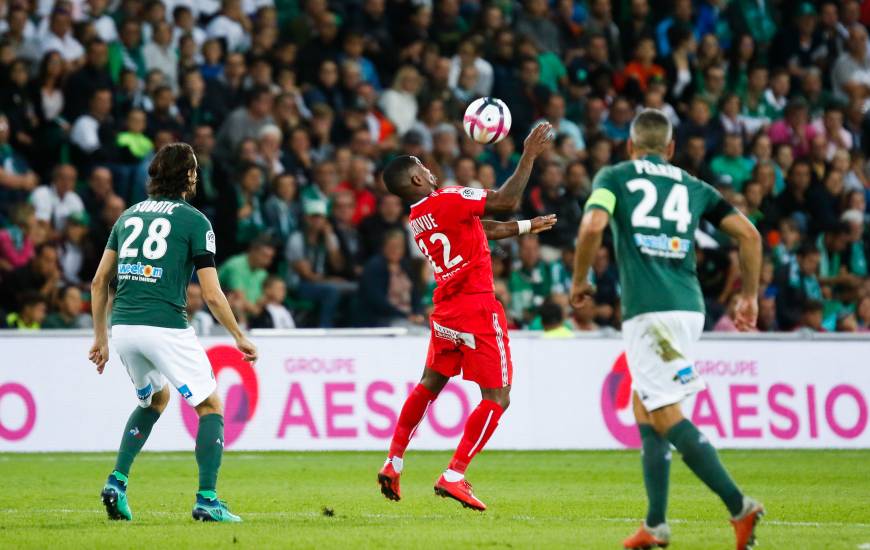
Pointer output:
538, 139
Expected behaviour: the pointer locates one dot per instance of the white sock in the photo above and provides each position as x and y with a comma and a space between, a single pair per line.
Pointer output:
398, 463
452, 476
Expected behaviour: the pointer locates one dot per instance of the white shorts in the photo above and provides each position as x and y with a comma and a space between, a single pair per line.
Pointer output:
659, 351
154, 354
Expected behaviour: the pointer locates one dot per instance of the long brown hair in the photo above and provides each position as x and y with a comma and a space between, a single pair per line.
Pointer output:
169, 171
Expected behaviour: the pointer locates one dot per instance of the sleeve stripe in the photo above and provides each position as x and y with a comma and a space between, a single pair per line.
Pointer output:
602, 198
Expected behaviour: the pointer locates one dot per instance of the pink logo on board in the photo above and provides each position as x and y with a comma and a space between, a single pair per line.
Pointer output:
616, 398
240, 403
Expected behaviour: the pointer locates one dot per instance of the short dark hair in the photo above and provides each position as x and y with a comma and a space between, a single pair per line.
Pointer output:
30, 298
169, 171
551, 314
806, 249
396, 174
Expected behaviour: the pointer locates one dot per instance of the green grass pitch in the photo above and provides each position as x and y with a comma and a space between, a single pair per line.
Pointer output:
814, 499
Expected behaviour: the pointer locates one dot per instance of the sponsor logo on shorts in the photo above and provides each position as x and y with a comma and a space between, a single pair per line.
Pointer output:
662, 245
143, 393
454, 336
685, 375
185, 391
138, 272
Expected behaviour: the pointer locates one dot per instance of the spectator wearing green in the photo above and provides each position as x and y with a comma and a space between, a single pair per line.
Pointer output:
530, 282
133, 144
789, 240
126, 52
251, 222
731, 166
69, 311
244, 274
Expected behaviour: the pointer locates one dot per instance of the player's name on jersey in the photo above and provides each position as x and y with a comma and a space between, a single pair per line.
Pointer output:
649, 168
157, 207
425, 222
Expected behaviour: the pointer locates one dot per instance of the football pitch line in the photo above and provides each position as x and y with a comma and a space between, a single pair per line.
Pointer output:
298, 515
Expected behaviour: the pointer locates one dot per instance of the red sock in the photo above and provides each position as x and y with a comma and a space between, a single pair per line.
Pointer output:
412, 414
479, 428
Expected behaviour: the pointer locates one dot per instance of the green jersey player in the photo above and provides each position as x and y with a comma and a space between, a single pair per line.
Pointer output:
653, 209
153, 249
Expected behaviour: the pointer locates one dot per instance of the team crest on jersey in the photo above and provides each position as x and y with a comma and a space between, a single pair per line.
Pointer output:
663, 246
138, 272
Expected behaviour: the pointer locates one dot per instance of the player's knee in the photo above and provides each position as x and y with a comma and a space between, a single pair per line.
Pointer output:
211, 405
160, 400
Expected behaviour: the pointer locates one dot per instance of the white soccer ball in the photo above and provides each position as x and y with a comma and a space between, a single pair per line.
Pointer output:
487, 120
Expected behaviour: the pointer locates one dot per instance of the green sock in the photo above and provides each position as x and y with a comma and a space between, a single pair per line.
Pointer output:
703, 460
656, 461
209, 449
136, 432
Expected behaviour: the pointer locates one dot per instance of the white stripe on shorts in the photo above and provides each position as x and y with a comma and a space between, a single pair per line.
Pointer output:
499, 338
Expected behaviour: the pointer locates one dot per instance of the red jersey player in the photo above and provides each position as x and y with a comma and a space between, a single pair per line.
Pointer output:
469, 328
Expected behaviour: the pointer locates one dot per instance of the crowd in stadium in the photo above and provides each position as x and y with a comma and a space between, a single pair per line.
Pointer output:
294, 106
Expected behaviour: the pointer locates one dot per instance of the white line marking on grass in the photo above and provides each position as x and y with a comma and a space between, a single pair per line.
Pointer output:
312, 514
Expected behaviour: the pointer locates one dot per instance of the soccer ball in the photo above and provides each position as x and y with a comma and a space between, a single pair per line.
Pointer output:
487, 120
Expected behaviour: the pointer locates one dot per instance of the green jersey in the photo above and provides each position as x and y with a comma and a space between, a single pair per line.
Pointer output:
655, 209
157, 241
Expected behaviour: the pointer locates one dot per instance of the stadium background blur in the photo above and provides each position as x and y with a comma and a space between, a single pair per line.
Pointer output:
294, 107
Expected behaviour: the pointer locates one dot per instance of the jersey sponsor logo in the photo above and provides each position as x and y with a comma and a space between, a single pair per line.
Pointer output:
454, 336
210, 241
138, 272
240, 403
662, 245
157, 207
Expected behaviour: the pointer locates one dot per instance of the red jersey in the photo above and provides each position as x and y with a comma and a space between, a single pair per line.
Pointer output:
447, 229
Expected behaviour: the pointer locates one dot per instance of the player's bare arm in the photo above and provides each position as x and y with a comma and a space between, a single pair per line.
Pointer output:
588, 242
504, 230
749, 250
219, 306
99, 353
507, 198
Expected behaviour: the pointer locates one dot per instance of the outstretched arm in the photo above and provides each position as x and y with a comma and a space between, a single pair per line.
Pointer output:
588, 242
503, 230
507, 198
749, 250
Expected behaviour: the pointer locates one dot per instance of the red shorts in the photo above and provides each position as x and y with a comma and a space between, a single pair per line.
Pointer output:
469, 335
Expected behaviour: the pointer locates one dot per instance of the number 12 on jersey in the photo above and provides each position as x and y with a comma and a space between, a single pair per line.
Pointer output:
449, 263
